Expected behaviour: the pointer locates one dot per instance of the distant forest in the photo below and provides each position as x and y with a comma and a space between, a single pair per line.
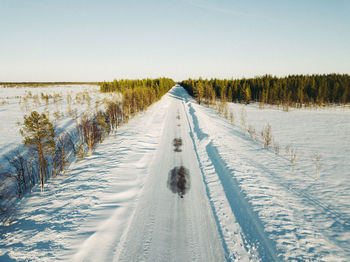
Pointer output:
159, 85
138, 94
293, 90
43, 84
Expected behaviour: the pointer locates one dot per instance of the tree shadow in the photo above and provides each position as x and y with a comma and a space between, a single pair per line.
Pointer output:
179, 180
177, 142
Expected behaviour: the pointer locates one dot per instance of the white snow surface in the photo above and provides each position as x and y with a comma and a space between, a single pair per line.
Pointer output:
13, 108
245, 203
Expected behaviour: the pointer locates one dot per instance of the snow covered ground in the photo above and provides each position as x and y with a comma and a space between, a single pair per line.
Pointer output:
325, 131
244, 203
19, 101
307, 220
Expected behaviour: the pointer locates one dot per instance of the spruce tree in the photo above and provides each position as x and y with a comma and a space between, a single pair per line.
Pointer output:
38, 133
247, 95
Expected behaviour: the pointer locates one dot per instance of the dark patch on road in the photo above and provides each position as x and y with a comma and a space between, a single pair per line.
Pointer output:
177, 142
179, 180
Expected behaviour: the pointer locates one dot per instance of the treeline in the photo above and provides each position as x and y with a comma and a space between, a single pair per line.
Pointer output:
293, 90
138, 94
159, 85
49, 150
43, 84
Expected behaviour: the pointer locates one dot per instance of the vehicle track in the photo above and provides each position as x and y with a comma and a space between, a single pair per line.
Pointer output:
165, 226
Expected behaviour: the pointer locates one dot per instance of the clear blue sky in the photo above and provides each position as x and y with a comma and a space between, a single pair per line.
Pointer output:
94, 40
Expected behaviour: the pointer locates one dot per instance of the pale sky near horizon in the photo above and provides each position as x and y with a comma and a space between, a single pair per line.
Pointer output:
96, 40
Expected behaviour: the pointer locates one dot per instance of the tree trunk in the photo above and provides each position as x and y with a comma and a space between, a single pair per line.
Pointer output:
41, 163
54, 166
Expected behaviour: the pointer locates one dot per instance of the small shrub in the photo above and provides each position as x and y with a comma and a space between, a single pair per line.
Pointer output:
293, 157
243, 118
36, 100
226, 112
286, 150
252, 132
232, 118
97, 104
266, 135
222, 108
317, 164
80, 151
57, 115
88, 100
56, 98
45, 98
276, 147
69, 104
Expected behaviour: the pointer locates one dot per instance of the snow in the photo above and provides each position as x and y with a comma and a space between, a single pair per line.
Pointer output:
321, 130
166, 227
307, 219
245, 203
13, 108
82, 204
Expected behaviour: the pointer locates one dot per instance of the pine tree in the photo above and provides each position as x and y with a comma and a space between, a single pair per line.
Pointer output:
39, 134
198, 92
293, 90
247, 94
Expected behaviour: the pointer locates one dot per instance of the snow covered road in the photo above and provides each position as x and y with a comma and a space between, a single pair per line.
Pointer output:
118, 205
166, 227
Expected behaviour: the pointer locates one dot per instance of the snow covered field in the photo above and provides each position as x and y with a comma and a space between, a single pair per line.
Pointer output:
310, 132
20, 101
307, 219
244, 203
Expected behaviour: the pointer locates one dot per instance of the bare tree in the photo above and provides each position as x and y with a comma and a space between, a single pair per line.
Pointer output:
32, 171
102, 126
6, 206
88, 131
19, 163
114, 114
93, 129
64, 146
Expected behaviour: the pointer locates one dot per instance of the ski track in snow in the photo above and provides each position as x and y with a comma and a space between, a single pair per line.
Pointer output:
243, 203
